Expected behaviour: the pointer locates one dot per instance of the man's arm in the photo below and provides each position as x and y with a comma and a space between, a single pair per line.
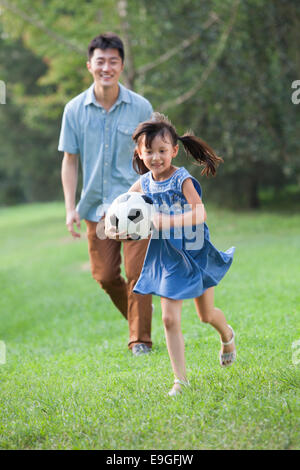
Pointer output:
69, 177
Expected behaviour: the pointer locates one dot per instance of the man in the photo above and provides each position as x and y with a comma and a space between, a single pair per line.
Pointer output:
97, 125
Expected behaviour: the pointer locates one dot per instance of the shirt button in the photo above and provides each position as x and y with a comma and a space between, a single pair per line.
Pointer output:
104, 181
106, 145
103, 111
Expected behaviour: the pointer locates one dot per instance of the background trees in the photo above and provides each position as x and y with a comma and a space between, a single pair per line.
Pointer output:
221, 67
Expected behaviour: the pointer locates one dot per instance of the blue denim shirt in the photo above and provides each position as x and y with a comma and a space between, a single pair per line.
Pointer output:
104, 141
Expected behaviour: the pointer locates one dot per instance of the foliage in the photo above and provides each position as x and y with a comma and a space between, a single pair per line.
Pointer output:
246, 108
28, 157
225, 70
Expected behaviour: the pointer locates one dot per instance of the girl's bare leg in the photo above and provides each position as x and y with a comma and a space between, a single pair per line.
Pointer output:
171, 316
208, 313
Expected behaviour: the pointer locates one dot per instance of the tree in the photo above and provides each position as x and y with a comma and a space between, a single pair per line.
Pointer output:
28, 158
218, 69
246, 106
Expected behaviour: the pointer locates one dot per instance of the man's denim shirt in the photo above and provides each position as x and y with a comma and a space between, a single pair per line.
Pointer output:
104, 141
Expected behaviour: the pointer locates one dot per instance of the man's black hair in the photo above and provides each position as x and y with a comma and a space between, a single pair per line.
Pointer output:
106, 41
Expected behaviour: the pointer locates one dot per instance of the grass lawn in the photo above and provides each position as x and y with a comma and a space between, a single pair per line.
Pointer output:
69, 381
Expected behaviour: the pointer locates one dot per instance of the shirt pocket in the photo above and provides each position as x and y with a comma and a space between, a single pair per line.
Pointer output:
125, 147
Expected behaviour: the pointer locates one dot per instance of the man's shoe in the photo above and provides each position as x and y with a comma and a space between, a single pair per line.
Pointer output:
139, 349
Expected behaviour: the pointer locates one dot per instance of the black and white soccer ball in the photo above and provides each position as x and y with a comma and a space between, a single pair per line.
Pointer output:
130, 214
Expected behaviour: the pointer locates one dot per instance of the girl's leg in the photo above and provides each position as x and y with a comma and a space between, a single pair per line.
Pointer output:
208, 313
171, 316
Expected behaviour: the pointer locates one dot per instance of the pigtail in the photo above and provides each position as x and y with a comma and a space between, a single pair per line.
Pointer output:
201, 152
138, 164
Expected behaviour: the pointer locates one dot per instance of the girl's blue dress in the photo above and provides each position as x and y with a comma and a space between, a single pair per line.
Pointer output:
181, 263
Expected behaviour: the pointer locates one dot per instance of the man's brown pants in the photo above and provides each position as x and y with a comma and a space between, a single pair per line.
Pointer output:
105, 259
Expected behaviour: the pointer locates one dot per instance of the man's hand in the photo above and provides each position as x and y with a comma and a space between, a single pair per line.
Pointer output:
71, 219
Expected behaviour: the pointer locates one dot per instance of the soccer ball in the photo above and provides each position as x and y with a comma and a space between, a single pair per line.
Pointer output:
130, 213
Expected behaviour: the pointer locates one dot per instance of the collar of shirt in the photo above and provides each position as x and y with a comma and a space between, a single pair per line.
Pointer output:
123, 96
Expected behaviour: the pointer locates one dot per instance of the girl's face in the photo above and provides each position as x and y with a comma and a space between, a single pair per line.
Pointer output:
159, 157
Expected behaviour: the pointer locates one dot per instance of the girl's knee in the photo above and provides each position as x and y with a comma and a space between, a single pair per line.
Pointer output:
169, 321
206, 317
205, 320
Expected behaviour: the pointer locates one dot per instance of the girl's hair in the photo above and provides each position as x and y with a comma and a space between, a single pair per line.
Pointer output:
159, 125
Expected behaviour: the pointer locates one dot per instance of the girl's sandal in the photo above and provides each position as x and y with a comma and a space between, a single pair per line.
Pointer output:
176, 391
227, 359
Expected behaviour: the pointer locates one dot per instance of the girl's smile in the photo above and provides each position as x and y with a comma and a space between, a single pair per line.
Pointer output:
159, 157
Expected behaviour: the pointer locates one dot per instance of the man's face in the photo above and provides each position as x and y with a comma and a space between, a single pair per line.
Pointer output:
106, 67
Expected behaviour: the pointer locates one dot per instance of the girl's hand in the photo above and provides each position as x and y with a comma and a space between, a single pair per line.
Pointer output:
118, 236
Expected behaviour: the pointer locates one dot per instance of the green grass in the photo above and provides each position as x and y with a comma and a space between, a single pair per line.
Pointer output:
69, 381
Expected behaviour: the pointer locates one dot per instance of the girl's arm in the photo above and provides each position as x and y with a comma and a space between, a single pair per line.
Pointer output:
196, 216
136, 187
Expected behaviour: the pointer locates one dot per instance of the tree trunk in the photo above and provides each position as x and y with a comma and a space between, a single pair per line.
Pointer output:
129, 72
254, 201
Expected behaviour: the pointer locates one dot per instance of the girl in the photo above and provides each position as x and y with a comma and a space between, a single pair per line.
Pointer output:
174, 268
